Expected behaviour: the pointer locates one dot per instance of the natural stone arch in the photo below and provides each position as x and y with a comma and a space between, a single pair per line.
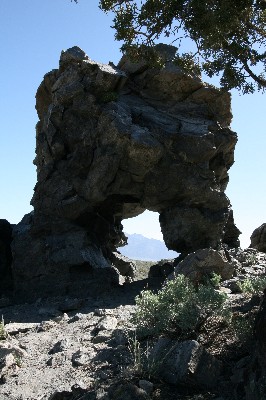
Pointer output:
113, 142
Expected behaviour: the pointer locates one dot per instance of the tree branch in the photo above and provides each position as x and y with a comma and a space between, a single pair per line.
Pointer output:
256, 78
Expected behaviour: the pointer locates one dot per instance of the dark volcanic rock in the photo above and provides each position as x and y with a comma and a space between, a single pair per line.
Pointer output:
112, 142
185, 363
258, 238
203, 263
5, 255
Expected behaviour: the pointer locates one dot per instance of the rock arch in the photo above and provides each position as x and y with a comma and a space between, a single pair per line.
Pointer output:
110, 143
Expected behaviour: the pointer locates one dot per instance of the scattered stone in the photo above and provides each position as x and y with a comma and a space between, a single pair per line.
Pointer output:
101, 394
45, 326
77, 317
102, 312
233, 284
17, 327
8, 366
10, 348
83, 357
107, 323
62, 345
102, 337
61, 318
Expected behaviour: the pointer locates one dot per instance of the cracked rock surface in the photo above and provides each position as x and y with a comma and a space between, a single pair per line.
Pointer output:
112, 142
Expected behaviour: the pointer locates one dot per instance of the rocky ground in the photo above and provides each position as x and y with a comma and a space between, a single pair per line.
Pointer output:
84, 348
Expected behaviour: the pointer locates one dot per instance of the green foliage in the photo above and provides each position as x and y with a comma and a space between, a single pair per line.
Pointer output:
215, 280
229, 37
178, 307
253, 286
142, 363
243, 327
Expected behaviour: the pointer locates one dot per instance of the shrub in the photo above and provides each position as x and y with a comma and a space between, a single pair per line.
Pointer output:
243, 327
178, 307
254, 285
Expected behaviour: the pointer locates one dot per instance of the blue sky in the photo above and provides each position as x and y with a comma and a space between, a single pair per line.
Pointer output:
32, 35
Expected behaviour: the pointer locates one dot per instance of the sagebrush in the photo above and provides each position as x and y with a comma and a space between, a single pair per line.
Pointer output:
179, 307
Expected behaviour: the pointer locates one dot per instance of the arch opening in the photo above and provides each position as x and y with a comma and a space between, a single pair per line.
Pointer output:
144, 238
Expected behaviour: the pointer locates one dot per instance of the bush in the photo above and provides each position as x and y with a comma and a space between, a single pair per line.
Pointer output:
253, 286
243, 327
179, 307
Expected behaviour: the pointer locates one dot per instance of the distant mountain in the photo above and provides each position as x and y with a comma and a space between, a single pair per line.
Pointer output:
141, 248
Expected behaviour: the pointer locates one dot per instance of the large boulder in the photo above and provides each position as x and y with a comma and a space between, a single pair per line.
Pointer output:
112, 142
258, 238
202, 263
185, 363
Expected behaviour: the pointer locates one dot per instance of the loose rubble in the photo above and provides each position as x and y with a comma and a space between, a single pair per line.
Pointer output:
50, 353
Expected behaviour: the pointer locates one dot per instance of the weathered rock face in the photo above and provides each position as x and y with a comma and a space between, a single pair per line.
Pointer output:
202, 263
5, 255
111, 143
185, 363
258, 238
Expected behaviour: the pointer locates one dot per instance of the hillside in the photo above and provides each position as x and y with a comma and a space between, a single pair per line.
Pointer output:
140, 247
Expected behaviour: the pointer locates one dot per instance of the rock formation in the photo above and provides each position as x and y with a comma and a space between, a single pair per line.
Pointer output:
112, 142
5, 255
258, 238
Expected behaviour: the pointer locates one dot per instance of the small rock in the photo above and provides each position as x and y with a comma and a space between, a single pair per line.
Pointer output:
45, 326
49, 362
233, 285
102, 337
61, 318
101, 394
16, 327
60, 346
7, 365
225, 290
102, 312
9, 348
77, 317
81, 357
107, 323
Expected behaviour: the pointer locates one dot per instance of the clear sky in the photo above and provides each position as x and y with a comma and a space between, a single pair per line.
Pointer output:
32, 35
